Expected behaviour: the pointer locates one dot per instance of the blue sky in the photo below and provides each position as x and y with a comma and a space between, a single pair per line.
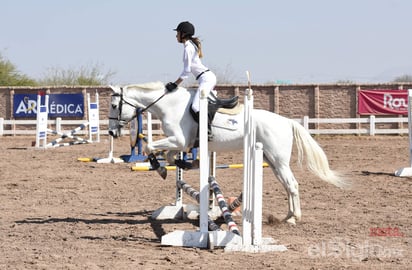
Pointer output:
296, 41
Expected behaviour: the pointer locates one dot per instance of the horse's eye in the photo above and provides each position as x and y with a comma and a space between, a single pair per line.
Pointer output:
114, 106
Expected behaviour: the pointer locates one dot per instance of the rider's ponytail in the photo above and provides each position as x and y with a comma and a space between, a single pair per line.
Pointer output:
196, 41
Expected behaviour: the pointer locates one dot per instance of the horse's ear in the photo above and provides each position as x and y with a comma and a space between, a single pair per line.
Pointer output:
116, 89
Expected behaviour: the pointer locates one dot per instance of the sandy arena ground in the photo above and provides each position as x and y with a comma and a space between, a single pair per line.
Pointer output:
59, 213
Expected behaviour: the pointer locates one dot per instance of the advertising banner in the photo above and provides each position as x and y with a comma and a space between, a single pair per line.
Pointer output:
383, 102
60, 105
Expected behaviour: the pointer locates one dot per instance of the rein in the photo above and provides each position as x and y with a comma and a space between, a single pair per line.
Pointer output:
154, 102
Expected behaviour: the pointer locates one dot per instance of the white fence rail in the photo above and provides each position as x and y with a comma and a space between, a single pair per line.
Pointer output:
9, 127
369, 126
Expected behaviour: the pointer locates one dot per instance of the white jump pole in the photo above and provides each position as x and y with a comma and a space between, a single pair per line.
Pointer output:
252, 240
248, 139
41, 119
204, 165
407, 171
94, 123
110, 158
198, 238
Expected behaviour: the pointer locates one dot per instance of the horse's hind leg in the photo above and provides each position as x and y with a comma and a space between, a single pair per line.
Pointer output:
291, 186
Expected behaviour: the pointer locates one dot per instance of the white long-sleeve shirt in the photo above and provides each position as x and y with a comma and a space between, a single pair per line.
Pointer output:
191, 61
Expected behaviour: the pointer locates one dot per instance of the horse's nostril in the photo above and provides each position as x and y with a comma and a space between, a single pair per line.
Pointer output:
111, 133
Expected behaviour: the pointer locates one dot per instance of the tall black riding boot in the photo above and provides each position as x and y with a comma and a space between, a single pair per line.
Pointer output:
209, 130
209, 127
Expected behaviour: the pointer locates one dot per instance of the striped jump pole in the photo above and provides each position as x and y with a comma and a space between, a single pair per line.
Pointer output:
226, 213
236, 203
68, 135
194, 194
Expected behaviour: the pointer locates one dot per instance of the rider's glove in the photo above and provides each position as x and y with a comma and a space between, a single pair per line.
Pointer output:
171, 86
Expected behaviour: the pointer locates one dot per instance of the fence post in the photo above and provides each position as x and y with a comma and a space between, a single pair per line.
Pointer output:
59, 124
1, 126
372, 125
306, 122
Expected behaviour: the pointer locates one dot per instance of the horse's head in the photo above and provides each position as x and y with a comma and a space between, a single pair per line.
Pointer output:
121, 111
127, 100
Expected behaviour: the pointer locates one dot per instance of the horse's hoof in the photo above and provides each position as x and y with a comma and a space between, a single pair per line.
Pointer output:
162, 172
183, 164
291, 220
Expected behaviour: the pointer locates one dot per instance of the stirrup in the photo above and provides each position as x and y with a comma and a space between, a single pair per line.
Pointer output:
209, 133
209, 136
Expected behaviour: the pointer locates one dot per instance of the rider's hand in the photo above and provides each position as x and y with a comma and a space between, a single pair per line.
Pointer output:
171, 86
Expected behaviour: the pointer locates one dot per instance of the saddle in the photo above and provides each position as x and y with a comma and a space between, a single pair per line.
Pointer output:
215, 103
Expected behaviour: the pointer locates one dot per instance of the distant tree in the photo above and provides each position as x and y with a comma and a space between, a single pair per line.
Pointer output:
10, 76
403, 78
85, 75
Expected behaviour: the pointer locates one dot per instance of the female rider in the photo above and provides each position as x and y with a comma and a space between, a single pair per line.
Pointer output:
192, 64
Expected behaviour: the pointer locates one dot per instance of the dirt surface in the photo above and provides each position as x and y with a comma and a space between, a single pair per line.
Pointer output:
59, 213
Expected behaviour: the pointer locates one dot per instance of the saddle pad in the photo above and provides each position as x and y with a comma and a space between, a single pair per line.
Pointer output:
228, 124
236, 110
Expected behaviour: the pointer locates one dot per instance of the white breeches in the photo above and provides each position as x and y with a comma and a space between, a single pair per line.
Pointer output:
206, 82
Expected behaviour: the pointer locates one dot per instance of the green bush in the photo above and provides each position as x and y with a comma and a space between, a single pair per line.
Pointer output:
10, 76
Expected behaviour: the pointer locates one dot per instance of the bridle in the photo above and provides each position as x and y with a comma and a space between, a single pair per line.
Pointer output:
137, 109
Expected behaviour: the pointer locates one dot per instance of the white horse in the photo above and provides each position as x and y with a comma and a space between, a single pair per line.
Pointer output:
274, 131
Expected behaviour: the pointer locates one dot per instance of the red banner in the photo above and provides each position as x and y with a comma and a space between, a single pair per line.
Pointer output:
381, 101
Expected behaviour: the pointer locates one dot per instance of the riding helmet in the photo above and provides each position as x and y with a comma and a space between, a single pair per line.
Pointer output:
186, 27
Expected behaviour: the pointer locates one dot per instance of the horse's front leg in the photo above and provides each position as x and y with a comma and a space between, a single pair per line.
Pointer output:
169, 143
173, 148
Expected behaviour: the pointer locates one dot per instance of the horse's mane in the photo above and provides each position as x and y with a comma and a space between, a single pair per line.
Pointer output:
149, 85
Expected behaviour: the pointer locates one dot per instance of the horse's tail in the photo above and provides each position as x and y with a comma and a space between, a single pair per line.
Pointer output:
316, 159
